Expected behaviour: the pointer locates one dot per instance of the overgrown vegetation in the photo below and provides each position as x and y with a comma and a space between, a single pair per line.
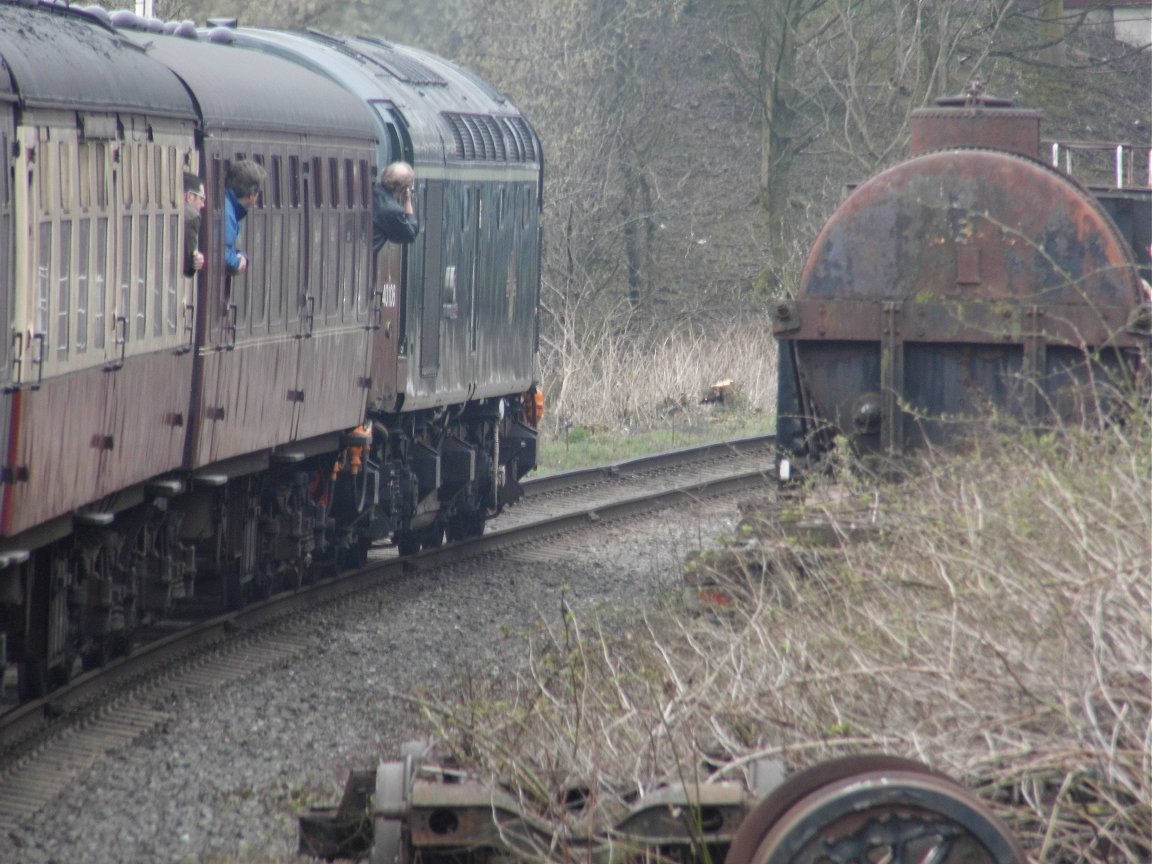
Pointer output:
620, 382
615, 397
990, 617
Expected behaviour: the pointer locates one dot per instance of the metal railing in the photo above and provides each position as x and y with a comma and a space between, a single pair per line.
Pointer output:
1104, 163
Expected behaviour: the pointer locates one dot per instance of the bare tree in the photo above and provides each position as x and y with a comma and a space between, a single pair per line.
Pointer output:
593, 76
765, 39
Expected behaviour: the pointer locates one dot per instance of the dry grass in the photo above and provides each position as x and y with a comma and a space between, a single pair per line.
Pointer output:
617, 382
997, 627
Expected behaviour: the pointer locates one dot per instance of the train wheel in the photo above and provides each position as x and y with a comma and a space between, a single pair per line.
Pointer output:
98, 653
355, 555
62, 673
407, 543
32, 679
466, 524
434, 536
872, 809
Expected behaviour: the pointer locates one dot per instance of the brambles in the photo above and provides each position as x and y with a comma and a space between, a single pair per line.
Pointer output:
992, 624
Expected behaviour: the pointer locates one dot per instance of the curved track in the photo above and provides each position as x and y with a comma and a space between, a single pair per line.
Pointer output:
44, 744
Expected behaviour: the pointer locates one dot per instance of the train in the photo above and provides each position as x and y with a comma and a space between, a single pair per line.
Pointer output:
977, 280
173, 445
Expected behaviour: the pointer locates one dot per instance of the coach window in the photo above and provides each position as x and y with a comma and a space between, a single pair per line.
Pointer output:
332, 249
99, 288
171, 279
258, 287
144, 164
293, 252
45, 189
43, 279
315, 242
127, 172
83, 250
317, 181
64, 290
294, 182
142, 279
365, 180
275, 200
157, 274
350, 197
123, 304
273, 196
175, 183
350, 293
86, 156
263, 163
65, 176
165, 176
102, 197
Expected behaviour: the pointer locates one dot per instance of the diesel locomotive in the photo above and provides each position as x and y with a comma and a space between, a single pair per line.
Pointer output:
172, 443
973, 280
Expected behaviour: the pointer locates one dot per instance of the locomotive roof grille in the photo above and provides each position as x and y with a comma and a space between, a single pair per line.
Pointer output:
482, 137
399, 66
384, 55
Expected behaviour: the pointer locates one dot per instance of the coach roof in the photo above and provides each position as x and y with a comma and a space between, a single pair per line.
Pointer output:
57, 57
238, 89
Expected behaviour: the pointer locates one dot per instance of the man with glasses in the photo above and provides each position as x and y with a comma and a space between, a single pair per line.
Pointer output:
193, 205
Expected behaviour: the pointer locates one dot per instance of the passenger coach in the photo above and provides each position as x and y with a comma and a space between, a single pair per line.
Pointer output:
176, 445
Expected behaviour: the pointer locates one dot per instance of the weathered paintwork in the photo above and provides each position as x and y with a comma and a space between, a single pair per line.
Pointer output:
958, 280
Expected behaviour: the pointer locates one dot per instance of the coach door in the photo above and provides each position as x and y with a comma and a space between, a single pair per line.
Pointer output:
439, 282
62, 326
386, 344
7, 308
333, 357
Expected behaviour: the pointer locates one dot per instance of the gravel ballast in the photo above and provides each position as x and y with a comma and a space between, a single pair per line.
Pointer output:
224, 778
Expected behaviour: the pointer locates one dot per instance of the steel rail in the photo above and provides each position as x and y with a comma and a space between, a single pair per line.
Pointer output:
36, 719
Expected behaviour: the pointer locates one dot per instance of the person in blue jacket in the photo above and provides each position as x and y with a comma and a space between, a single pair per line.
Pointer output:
242, 188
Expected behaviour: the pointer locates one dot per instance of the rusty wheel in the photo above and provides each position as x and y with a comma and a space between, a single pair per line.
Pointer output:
873, 810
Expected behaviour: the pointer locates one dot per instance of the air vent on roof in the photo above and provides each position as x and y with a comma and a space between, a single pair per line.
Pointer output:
399, 66
481, 137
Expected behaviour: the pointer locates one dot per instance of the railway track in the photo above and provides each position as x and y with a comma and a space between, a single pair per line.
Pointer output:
47, 744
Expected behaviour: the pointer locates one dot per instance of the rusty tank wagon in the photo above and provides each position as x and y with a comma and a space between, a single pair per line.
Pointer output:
974, 279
